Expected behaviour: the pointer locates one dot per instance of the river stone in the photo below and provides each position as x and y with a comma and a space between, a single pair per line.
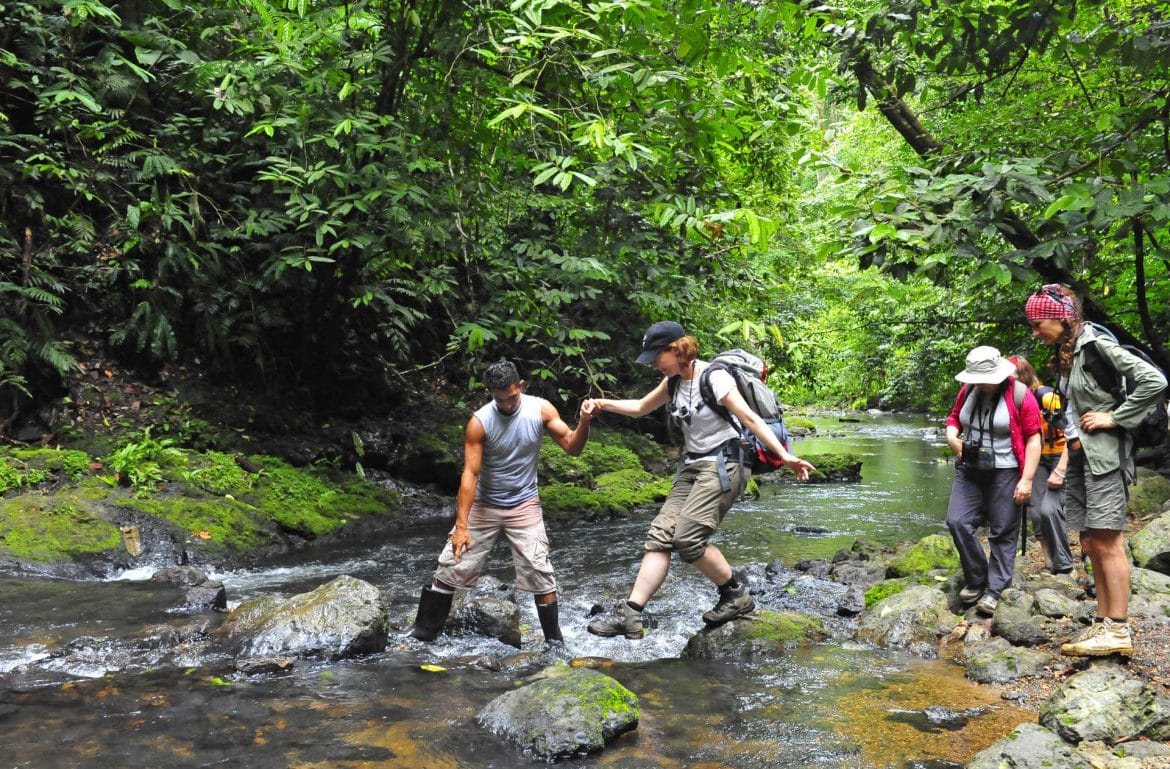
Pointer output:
763, 632
186, 576
1106, 703
567, 712
1030, 747
1053, 603
342, 618
1014, 619
913, 618
998, 662
492, 616
1151, 545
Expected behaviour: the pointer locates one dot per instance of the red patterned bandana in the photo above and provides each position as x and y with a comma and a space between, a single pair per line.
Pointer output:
1050, 303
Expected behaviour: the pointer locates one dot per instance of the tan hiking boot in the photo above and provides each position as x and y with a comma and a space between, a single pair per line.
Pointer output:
1100, 640
732, 604
620, 620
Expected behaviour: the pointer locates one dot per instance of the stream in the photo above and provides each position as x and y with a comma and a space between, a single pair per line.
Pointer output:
98, 674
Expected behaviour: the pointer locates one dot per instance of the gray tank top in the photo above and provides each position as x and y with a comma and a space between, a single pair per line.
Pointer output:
511, 452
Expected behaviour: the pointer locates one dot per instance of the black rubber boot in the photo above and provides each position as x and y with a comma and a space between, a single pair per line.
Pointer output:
549, 621
433, 608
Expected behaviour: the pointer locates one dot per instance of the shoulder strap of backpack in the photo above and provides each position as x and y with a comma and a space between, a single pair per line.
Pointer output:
1019, 390
707, 393
1102, 371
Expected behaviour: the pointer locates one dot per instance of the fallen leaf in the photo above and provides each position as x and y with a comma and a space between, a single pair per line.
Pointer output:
201, 534
432, 668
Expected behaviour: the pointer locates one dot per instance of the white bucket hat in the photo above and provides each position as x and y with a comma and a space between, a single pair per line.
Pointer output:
985, 366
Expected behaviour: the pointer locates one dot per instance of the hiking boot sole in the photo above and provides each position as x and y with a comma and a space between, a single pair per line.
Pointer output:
636, 635
1069, 650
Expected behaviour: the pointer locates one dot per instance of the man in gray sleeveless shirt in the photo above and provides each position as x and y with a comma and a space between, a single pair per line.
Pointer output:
498, 494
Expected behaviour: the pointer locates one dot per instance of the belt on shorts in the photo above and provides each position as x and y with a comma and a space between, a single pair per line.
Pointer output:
733, 449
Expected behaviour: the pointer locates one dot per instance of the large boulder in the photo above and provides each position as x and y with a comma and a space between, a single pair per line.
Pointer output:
342, 618
913, 619
764, 632
565, 712
1030, 747
1105, 703
1151, 545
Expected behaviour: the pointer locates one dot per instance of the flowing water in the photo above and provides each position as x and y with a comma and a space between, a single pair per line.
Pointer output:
98, 674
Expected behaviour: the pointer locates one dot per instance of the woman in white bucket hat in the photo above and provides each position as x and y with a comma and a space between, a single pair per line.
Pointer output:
994, 431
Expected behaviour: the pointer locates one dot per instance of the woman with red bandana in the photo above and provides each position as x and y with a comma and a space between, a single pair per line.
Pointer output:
1100, 458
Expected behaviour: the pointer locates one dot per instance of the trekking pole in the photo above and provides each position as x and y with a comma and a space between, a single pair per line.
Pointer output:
1023, 528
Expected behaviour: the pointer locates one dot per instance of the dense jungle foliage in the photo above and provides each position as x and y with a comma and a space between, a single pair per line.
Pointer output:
338, 203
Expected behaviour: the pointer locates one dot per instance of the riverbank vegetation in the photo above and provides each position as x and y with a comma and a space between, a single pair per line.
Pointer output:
352, 208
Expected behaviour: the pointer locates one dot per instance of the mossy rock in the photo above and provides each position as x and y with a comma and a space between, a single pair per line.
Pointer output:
800, 425
830, 468
889, 587
1147, 495
934, 552
609, 458
54, 527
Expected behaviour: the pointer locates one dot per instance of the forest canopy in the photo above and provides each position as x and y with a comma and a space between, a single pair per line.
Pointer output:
367, 198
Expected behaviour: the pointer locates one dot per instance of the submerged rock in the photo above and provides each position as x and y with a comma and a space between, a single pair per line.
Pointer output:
567, 712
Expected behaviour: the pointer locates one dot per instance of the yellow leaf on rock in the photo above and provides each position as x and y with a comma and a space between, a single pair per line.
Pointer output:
432, 668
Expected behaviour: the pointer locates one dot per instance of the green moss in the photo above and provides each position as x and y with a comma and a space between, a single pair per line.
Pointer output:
564, 501
69, 463
800, 423
53, 527
23, 468
884, 590
783, 629
936, 551
309, 503
558, 467
603, 458
219, 523
218, 473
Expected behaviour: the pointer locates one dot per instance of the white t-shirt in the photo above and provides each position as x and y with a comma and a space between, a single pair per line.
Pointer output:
705, 431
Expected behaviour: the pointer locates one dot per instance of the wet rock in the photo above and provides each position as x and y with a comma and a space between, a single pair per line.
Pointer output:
1106, 703
817, 567
863, 574
185, 576
209, 596
853, 603
566, 712
1030, 747
935, 718
996, 661
760, 633
342, 618
912, 619
489, 610
260, 666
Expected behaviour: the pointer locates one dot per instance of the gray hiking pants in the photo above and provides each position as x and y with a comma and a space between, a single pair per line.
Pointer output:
985, 498
1046, 516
